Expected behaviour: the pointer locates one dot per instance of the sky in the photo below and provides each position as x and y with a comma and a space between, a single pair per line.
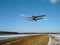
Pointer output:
13, 15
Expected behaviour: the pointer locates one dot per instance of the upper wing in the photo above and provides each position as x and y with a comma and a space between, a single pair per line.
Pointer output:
41, 16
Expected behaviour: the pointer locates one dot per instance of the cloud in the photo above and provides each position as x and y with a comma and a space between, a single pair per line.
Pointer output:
53, 1
22, 15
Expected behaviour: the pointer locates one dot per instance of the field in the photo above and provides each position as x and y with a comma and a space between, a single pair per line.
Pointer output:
27, 40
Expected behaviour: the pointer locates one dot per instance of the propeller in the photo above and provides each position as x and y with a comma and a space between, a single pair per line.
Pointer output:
29, 18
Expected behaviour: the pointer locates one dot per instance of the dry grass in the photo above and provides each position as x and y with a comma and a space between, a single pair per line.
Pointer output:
29, 40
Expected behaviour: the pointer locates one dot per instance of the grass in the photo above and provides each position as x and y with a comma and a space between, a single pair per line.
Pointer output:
29, 40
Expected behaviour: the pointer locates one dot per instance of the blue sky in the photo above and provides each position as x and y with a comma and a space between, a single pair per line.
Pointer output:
11, 19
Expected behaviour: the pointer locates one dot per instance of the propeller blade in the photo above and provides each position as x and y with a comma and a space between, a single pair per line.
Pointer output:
28, 17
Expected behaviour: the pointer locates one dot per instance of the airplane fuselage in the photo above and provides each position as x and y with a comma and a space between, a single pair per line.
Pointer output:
34, 18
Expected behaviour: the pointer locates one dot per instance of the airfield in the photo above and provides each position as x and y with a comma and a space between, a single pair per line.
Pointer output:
39, 39
27, 40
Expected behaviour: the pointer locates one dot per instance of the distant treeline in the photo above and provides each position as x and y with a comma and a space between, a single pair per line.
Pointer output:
4, 32
40, 33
